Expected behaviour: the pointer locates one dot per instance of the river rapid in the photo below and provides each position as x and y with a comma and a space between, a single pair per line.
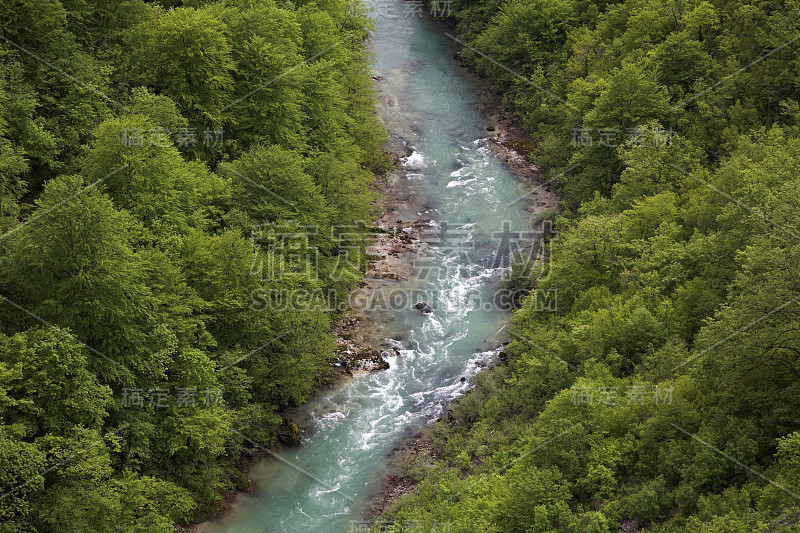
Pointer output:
470, 209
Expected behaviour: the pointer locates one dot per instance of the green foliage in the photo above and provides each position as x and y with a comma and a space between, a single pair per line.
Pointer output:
662, 393
51, 388
185, 53
140, 160
272, 187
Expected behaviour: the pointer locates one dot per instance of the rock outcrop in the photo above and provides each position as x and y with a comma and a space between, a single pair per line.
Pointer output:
289, 433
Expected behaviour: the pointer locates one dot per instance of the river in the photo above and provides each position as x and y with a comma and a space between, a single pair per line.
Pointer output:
475, 216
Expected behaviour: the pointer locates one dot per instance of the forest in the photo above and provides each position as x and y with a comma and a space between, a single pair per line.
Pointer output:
166, 170
663, 393
172, 171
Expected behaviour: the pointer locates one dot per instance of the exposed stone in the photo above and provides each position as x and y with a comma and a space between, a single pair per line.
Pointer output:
366, 360
423, 307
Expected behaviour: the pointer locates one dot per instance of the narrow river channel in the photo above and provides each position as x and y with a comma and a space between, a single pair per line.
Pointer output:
474, 205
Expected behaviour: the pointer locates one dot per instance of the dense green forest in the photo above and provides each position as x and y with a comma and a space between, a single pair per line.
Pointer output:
157, 162
663, 395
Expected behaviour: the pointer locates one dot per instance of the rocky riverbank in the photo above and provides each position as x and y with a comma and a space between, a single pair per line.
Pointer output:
391, 255
361, 346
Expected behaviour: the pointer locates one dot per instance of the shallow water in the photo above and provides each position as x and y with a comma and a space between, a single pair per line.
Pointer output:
476, 218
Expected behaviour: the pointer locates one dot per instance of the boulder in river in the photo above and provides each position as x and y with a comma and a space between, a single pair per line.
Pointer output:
424, 307
366, 360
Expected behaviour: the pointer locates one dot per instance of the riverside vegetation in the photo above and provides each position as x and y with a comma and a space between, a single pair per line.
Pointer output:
148, 152
663, 394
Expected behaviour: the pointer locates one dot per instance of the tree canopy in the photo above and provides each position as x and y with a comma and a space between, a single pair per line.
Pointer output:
152, 156
662, 393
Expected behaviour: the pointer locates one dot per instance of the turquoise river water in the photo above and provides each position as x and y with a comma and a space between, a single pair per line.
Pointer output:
472, 202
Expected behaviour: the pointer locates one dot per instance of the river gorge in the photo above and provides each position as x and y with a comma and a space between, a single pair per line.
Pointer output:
467, 212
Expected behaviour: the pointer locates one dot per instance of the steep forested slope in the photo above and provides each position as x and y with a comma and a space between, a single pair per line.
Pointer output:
663, 392
170, 173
